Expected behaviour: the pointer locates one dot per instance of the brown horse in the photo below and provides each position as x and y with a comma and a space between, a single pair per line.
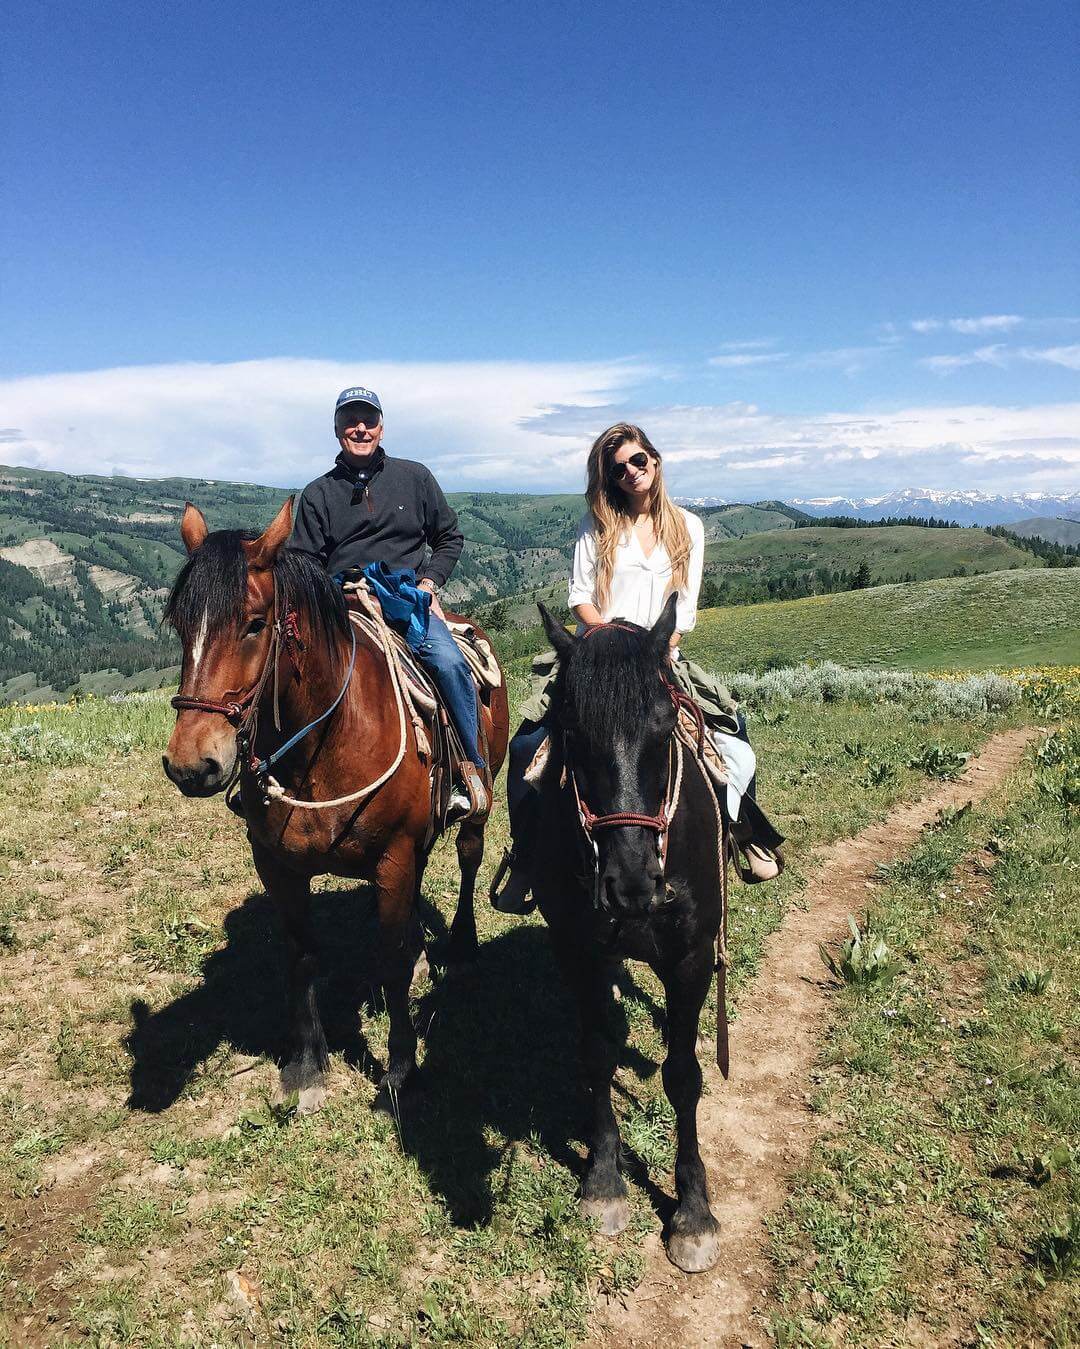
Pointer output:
267, 637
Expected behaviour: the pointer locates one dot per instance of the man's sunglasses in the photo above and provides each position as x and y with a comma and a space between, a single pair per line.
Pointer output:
357, 417
638, 461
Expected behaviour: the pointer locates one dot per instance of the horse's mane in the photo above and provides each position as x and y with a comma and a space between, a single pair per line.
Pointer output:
213, 582
612, 683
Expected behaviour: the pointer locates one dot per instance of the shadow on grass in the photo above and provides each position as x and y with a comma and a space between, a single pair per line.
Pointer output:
501, 1064
500, 1042
241, 999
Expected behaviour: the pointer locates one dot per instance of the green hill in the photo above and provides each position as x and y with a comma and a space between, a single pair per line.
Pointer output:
735, 521
1002, 618
790, 562
86, 563
1053, 529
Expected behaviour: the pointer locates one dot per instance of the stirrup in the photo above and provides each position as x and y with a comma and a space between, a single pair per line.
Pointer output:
478, 794
498, 893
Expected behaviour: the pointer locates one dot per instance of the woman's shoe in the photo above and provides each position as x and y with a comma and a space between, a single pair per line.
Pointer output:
511, 886
757, 864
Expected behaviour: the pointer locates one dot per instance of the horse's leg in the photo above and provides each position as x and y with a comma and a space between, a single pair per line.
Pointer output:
693, 1238
603, 1193
464, 947
395, 892
305, 1070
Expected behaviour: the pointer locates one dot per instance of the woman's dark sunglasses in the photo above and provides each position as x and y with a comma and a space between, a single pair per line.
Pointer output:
638, 461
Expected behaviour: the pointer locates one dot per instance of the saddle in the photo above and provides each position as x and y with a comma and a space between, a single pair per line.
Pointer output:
437, 740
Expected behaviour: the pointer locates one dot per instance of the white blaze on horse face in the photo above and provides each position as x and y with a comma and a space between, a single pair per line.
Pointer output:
199, 643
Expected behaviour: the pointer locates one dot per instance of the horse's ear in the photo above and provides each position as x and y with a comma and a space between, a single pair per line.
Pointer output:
262, 554
193, 528
661, 630
559, 638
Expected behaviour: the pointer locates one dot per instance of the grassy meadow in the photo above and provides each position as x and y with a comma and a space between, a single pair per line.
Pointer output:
892, 552
942, 1202
149, 1190
1000, 619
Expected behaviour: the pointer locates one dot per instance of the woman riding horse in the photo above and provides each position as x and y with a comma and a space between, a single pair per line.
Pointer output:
273, 666
635, 546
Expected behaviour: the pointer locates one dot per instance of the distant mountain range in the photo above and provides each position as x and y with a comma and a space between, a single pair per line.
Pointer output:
965, 508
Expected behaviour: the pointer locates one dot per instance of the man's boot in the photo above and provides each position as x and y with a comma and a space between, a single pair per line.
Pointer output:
470, 801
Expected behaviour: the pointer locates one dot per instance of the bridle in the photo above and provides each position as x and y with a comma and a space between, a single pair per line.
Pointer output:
243, 712
591, 823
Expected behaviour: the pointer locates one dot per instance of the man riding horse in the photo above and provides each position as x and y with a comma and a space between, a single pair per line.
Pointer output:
380, 515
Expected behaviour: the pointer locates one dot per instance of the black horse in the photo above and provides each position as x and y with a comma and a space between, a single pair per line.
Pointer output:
630, 867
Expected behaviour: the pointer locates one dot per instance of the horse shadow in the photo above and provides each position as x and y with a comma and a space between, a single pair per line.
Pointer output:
501, 1042
241, 999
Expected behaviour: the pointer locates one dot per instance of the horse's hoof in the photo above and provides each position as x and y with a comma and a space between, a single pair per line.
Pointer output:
309, 1090
610, 1215
311, 1099
390, 1100
694, 1252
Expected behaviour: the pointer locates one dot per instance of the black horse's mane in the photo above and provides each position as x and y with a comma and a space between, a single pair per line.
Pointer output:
213, 582
612, 683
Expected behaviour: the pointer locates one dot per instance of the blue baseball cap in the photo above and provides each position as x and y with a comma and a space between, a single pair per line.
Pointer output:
357, 395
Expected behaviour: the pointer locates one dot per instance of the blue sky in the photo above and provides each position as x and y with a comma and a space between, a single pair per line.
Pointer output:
811, 247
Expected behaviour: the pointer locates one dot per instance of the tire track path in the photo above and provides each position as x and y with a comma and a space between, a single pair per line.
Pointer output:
756, 1129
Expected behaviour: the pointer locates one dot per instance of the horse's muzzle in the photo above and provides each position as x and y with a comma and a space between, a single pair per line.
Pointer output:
204, 777
633, 893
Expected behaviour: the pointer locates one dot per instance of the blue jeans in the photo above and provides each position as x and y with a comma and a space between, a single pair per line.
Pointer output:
441, 657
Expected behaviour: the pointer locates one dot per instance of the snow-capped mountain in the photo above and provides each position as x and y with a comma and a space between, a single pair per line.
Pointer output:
965, 508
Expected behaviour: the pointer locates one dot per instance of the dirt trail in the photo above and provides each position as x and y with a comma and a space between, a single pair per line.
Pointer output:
756, 1128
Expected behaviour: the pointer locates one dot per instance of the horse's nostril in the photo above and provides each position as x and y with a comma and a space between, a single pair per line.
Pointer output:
211, 768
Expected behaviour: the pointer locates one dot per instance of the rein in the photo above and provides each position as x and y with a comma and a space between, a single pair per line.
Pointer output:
243, 713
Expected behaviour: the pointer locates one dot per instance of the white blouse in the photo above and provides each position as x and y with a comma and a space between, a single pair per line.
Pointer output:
639, 584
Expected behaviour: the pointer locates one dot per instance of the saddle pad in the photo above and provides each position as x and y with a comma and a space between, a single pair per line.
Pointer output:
423, 689
477, 652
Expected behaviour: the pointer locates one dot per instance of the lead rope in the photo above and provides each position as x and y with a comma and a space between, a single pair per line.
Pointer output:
723, 1061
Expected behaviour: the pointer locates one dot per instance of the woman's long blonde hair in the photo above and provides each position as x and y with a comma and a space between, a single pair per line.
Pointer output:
608, 506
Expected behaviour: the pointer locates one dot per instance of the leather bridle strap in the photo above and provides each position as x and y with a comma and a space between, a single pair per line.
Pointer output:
235, 711
232, 712
658, 823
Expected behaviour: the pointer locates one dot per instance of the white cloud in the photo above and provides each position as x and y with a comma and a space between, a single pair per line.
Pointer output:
1000, 355
986, 323
742, 359
757, 344
997, 354
1069, 357
848, 360
270, 421
518, 426
741, 451
989, 323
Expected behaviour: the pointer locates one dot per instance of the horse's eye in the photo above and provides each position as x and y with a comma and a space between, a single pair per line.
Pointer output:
254, 627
